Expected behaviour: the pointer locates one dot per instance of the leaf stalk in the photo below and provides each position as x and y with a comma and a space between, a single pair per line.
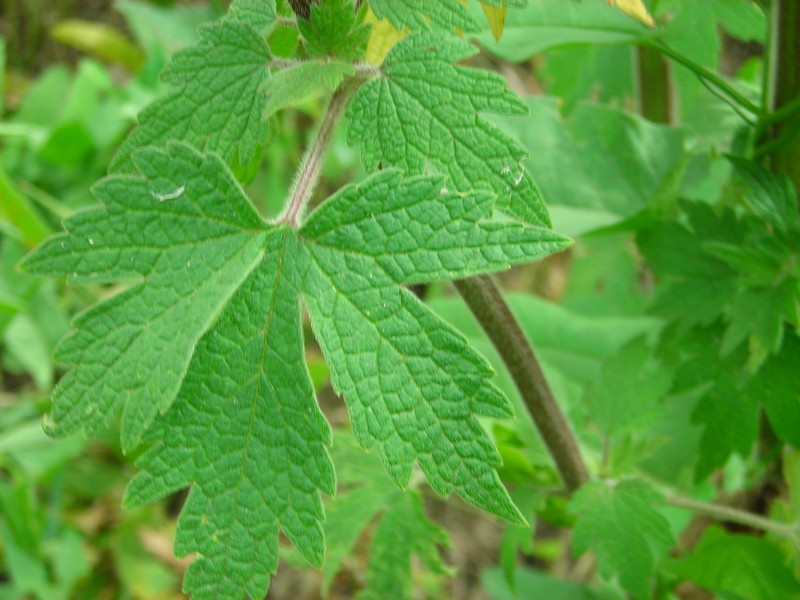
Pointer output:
307, 176
706, 75
734, 515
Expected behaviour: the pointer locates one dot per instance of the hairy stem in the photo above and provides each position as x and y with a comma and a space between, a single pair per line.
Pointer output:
734, 515
308, 174
487, 304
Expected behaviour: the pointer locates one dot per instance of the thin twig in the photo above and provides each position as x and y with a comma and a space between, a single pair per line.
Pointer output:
705, 75
487, 304
734, 515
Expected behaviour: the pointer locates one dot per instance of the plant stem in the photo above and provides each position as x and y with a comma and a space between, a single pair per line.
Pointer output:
487, 304
308, 174
655, 91
734, 515
360, 69
783, 87
706, 75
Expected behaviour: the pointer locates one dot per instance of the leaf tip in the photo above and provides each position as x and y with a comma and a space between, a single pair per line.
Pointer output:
496, 17
635, 9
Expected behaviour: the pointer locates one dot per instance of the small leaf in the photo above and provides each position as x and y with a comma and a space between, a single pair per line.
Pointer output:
777, 386
297, 83
402, 532
618, 522
624, 398
496, 17
332, 30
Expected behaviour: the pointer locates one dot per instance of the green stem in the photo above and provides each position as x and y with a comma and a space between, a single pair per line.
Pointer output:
488, 305
783, 89
705, 75
734, 515
307, 176
655, 91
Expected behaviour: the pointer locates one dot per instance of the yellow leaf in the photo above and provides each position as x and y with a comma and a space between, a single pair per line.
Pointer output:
496, 17
99, 40
382, 39
636, 9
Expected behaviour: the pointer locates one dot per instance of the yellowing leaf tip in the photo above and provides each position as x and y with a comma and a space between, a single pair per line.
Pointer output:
635, 9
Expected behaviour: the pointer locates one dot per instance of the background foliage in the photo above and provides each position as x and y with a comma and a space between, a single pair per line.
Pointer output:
668, 331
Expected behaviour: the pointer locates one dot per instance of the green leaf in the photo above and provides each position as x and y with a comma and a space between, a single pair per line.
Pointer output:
100, 40
757, 315
696, 284
624, 398
402, 527
535, 585
209, 333
332, 30
423, 109
417, 15
189, 238
402, 532
259, 14
303, 81
424, 233
771, 197
777, 386
728, 415
246, 432
217, 103
347, 515
619, 163
618, 522
743, 566
362, 243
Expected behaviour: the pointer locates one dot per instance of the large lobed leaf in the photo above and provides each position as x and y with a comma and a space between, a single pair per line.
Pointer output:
208, 335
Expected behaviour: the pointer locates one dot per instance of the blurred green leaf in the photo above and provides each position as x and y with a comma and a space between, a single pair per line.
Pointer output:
624, 398
302, 82
618, 522
598, 157
743, 566
99, 40
546, 24
534, 585
20, 213
777, 387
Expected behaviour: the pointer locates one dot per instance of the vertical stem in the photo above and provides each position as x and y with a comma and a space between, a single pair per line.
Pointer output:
655, 92
308, 174
487, 304
783, 85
